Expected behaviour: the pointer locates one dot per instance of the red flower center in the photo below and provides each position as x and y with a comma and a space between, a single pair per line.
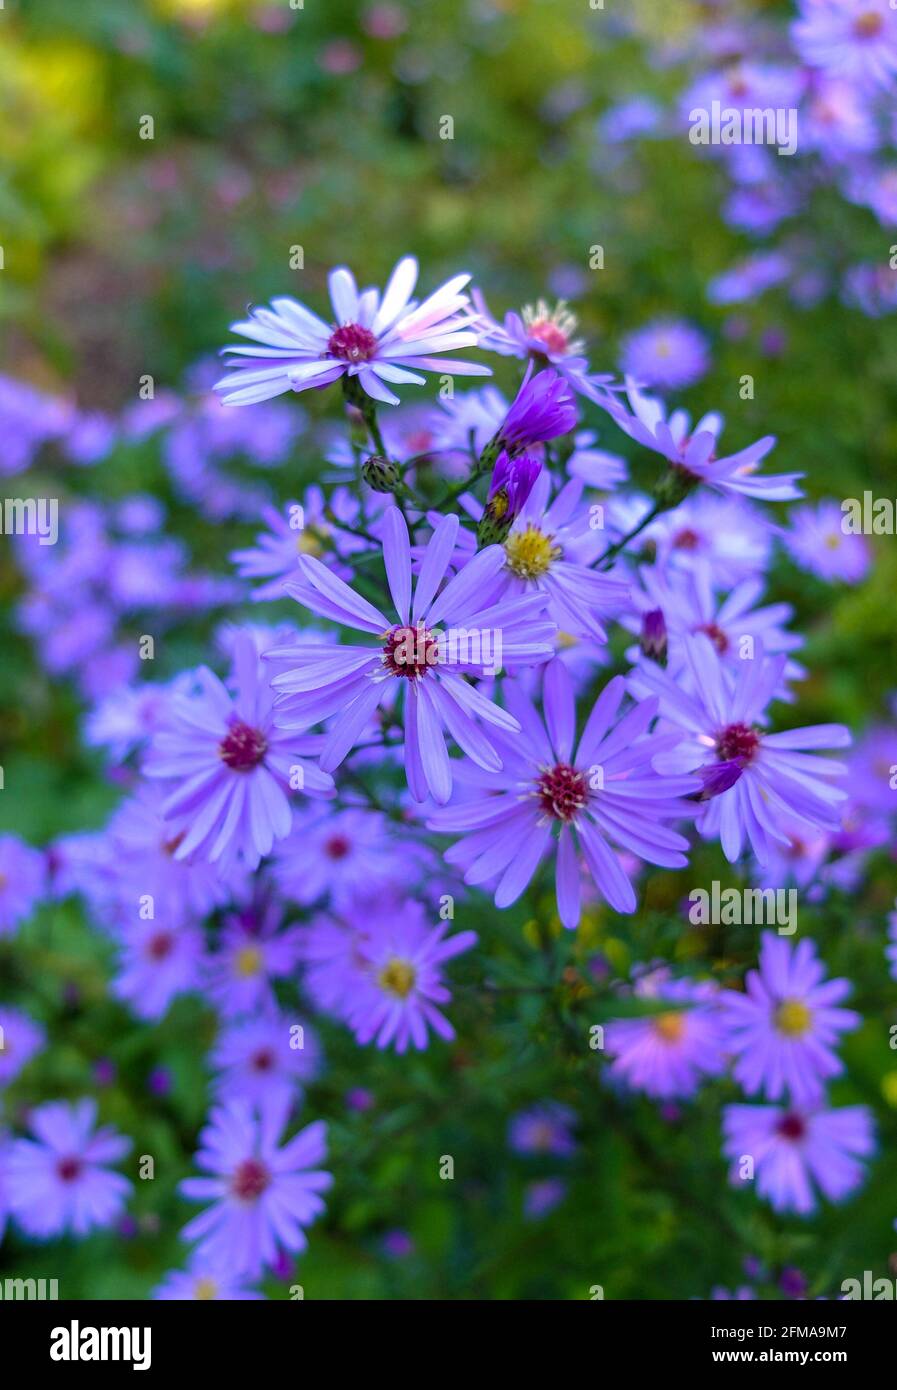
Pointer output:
717, 637
263, 1060
352, 343
337, 847
737, 742
868, 25
250, 1180
242, 747
562, 791
410, 651
686, 539
160, 945
792, 1126
68, 1169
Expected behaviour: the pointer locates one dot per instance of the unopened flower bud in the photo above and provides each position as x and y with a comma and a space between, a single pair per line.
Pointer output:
512, 483
380, 473
653, 639
718, 778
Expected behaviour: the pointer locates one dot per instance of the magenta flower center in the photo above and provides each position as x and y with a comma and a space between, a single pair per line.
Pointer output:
686, 539
409, 651
562, 792
242, 747
737, 742
337, 847
263, 1060
160, 945
717, 637
250, 1180
68, 1169
549, 334
352, 343
792, 1126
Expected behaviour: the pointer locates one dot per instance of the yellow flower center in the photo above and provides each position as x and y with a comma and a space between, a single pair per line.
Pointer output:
530, 553
832, 540
669, 1027
248, 962
397, 977
312, 540
793, 1018
206, 1289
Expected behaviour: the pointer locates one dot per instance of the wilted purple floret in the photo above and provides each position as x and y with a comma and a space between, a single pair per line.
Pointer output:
58, 1182
794, 1151
783, 1028
721, 717
352, 682
230, 766
606, 793
262, 1195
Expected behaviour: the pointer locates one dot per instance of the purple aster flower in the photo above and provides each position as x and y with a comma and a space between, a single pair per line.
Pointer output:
125, 718
416, 655
668, 354
550, 550
668, 1054
817, 542
58, 1182
298, 529
783, 1028
398, 1245
543, 1196
693, 455
231, 765
20, 1040
263, 1195
261, 1058
722, 714
543, 1129
23, 881
872, 768
732, 537
345, 856
384, 974
795, 1151
605, 793
252, 950
856, 39
203, 1282
372, 340
749, 278
544, 336
158, 961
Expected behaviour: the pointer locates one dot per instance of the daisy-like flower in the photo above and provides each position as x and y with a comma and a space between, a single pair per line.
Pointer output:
231, 765
369, 339
298, 529
416, 655
606, 793
23, 881
347, 855
550, 550
203, 1282
158, 962
796, 1150
545, 1128
855, 39
263, 1195
668, 1054
252, 951
817, 541
693, 453
261, 1058
20, 1040
775, 779
385, 978
668, 355
59, 1182
783, 1028
544, 335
